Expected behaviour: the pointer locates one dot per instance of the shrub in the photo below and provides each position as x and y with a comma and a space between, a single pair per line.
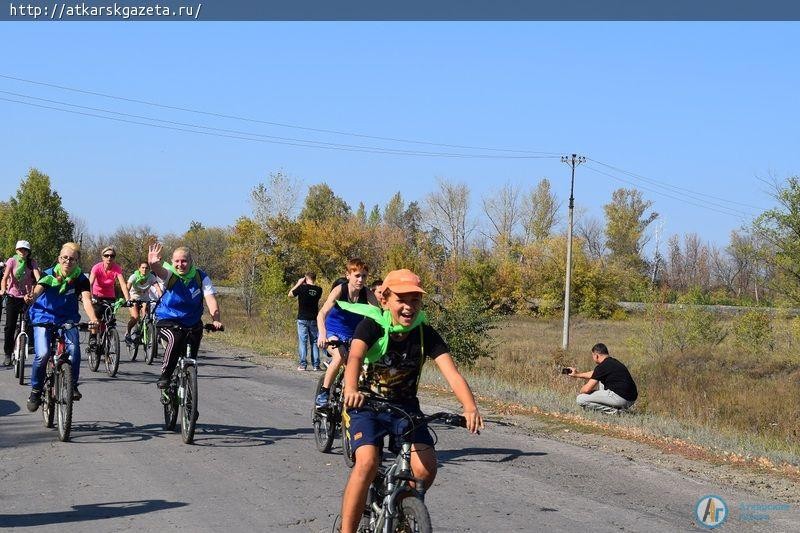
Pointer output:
465, 325
693, 327
753, 331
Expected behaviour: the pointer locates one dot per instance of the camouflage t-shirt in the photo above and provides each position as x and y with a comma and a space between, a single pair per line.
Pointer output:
395, 376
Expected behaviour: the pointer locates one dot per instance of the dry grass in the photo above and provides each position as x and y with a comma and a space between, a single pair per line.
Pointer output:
723, 398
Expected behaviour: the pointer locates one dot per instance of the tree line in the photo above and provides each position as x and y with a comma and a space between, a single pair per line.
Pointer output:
509, 256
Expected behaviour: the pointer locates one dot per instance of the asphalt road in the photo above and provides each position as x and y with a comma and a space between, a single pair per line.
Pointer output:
254, 467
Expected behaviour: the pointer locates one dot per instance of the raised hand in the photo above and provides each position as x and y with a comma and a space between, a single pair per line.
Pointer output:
154, 253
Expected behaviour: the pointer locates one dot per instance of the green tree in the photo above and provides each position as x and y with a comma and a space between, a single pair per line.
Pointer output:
626, 222
780, 227
37, 215
322, 204
539, 212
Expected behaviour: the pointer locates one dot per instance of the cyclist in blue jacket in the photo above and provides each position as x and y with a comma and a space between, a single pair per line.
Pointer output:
54, 302
179, 316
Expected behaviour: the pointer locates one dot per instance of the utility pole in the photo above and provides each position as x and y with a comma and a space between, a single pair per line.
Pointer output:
573, 161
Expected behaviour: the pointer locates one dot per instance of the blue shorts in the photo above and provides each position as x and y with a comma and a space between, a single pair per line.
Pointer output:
365, 426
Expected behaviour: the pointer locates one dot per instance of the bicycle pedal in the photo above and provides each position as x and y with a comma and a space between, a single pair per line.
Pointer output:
165, 399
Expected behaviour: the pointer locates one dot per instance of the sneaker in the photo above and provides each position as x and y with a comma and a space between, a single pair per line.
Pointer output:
322, 399
7, 361
162, 383
128, 339
301, 368
76, 394
34, 401
317, 369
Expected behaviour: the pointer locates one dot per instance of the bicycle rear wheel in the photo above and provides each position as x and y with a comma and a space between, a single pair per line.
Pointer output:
414, 517
112, 352
151, 346
20, 356
324, 428
63, 403
189, 404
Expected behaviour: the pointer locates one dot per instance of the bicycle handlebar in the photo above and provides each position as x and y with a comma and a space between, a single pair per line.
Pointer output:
336, 343
378, 404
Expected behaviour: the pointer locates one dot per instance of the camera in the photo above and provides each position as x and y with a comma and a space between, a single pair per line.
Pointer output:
566, 370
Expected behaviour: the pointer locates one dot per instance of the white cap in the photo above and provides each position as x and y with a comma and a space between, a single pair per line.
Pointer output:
23, 244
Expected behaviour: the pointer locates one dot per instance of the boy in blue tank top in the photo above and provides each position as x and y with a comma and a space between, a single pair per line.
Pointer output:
336, 323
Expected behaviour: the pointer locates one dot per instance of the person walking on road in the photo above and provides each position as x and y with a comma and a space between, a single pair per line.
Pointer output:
308, 294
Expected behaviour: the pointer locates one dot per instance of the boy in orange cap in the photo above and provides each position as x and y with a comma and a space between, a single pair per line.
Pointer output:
394, 345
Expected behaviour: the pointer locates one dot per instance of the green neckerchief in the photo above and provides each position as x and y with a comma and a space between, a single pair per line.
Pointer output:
185, 278
139, 278
20, 271
59, 279
384, 318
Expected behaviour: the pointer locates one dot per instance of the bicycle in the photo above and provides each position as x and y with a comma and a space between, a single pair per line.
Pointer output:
21, 343
395, 498
108, 343
144, 333
327, 420
181, 393
58, 386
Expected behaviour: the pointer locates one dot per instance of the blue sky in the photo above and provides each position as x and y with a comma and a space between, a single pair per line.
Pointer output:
687, 108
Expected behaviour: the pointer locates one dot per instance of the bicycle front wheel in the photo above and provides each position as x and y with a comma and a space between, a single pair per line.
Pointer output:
21, 355
414, 517
63, 393
94, 355
151, 345
189, 404
135, 342
48, 401
324, 428
112, 352
170, 407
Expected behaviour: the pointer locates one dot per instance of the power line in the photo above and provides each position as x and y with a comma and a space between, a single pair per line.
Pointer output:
278, 124
239, 135
721, 209
673, 188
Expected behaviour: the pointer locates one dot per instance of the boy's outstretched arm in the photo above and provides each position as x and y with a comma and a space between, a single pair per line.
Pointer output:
461, 389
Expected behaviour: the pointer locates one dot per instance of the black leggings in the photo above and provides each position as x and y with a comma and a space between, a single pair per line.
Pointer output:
175, 338
14, 308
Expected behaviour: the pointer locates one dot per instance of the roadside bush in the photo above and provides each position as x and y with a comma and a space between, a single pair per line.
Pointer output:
753, 331
465, 326
693, 327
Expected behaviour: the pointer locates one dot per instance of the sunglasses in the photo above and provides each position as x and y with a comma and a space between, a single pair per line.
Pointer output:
110, 255
68, 259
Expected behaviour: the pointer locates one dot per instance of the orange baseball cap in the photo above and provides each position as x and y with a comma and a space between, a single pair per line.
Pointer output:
401, 281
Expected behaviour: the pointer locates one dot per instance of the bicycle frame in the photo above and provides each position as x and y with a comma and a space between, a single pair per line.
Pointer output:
392, 484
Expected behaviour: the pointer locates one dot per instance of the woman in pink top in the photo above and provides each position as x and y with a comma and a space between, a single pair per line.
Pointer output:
19, 278
102, 279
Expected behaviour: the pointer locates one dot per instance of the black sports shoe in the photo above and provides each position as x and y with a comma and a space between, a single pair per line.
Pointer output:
7, 361
34, 401
76, 394
162, 383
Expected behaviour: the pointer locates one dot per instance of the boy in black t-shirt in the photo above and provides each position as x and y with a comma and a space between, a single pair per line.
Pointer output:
395, 351
308, 294
609, 387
